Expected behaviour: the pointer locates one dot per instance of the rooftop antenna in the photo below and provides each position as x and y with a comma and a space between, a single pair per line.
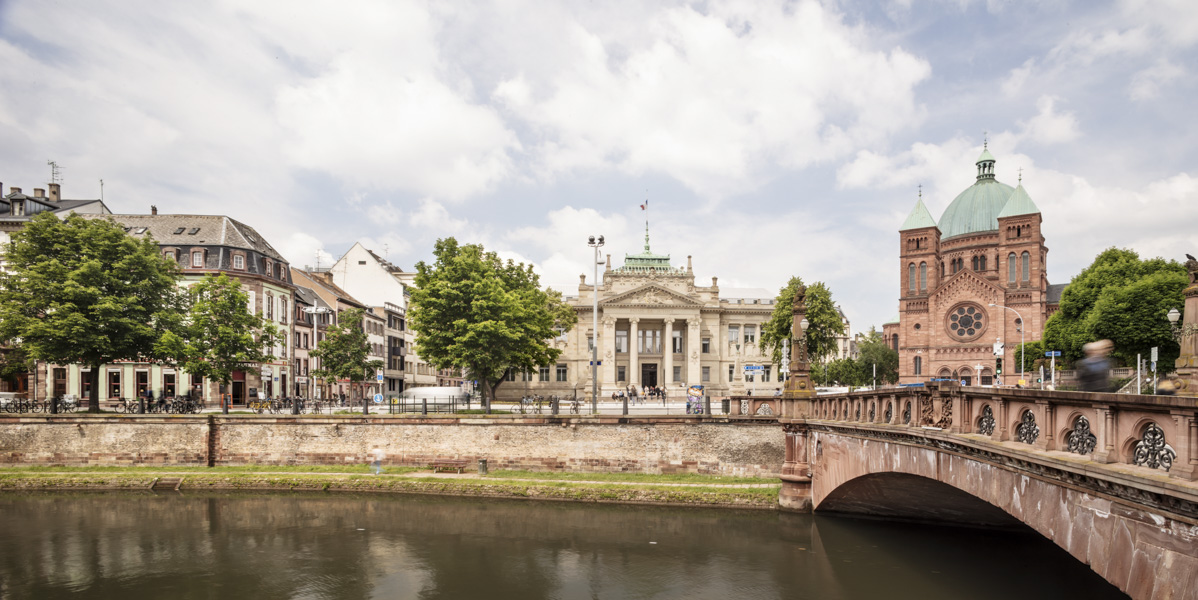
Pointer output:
55, 172
101, 190
386, 251
645, 207
1020, 175
317, 261
921, 191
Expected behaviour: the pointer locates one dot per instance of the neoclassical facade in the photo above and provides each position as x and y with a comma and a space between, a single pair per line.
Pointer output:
986, 252
658, 328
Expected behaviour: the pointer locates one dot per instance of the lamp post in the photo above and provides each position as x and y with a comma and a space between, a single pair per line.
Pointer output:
1021, 328
312, 311
596, 244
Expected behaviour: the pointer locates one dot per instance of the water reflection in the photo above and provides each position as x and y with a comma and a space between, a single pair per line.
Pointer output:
332, 546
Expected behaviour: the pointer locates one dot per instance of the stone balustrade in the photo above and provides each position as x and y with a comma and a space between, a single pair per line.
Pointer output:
1154, 432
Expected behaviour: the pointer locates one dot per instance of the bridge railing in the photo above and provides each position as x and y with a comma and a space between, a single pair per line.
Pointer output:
1153, 432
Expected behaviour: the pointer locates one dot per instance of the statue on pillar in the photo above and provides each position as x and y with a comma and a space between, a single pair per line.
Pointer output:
798, 383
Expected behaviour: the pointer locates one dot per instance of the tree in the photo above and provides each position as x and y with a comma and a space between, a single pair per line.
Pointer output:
873, 350
344, 350
1121, 298
82, 291
473, 311
825, 324
218, 334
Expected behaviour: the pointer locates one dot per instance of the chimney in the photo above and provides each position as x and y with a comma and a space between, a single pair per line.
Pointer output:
39, 193
608, 266
55, 192
14, 190
153, 209
688, 263
715, 281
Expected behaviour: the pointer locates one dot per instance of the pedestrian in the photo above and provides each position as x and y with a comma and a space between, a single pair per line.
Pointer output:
777, 392
376, 456
1166, 388
1093, 371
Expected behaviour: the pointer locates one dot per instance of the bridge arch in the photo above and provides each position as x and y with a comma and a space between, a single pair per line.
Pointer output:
1142, 550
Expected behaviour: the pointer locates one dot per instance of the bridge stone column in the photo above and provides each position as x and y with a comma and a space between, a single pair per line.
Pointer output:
1186, 426
1105, 433
1050, 424
796, 470
667, 376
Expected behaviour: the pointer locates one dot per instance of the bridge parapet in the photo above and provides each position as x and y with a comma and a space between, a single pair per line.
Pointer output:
1153, 432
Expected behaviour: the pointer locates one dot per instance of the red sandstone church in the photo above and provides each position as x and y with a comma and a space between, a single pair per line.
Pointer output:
987, 249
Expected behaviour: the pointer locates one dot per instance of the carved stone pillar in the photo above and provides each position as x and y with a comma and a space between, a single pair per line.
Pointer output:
796, 471
1104, 430
693, 370
634, 364
667, 352
1184, 426
607, 353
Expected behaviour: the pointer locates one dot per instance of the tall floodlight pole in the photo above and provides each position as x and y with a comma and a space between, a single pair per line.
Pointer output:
596, 244
1022, 327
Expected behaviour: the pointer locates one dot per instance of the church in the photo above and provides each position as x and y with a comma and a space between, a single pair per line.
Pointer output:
971, 284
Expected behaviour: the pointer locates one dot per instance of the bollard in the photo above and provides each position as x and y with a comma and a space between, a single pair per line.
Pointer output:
53, 406
224, 403
295, 407
482, 466
625, 405
365, 405
424, 406
141, 405
553, 405
707, 405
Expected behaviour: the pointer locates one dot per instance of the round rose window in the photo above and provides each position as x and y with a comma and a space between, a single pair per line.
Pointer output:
966, 322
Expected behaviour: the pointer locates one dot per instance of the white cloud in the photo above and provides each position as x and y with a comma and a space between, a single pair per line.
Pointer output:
717, 99
1049, 126
1147, 84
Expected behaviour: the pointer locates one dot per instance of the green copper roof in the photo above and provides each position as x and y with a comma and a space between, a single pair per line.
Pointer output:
648, 262
1018, 204
894, 319
919, 217
976, 209
986, 156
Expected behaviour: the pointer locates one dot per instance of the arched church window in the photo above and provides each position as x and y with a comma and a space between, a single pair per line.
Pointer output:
919, 365
982, 263
1027, 272
911, 277
894, 341
923, 276
975, 263
1011, 267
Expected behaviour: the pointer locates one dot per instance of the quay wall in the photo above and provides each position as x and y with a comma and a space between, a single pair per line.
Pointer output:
728, 446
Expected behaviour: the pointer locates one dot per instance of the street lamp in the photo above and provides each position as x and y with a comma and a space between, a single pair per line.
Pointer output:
1021, 328
313, 311
1180, 331
596, 244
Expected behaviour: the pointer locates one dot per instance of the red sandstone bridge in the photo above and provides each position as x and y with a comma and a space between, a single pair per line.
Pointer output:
1107, 477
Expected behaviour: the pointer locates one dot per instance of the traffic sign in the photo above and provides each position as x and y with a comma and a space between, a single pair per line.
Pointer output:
1154, 357
596, 363
378, 374
754, 368
1052, 353
378, 398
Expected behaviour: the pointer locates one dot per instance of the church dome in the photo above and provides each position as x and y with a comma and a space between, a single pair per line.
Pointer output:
976, 209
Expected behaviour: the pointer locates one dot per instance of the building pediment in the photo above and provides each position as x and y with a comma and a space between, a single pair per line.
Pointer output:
967, 284
650, 295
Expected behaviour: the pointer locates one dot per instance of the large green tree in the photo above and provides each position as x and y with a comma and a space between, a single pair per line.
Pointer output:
1121, 298
476, 312
344, 352
872, 350
218, 334
81, 291
824, 319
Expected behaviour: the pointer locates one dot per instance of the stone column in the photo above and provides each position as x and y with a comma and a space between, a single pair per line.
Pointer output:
634, 366
607, 353
796, 481
694, 373
668, 355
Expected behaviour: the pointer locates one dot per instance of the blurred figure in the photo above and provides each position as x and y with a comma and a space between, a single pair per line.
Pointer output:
1166, 388
1093, 371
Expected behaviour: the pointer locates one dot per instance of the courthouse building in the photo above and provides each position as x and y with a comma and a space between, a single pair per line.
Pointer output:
658, 328
986, 249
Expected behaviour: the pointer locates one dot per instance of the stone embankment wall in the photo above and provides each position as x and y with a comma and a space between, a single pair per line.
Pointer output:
743, 447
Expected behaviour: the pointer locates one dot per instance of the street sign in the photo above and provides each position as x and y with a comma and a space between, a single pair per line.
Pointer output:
754, 368
1154, 356
1052, 353
378, 374
596, 363
378, 398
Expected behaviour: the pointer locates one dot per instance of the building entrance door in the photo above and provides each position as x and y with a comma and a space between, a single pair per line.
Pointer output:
649, 374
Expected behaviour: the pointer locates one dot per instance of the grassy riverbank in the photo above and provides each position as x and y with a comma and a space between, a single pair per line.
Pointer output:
694, 490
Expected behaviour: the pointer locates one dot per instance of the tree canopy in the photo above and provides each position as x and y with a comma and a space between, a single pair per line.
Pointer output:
872, 350
824, 319
218, 335
345, 349
1121, 298
477, 312
82, 291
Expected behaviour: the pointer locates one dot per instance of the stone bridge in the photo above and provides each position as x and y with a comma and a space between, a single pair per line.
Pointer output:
1107, 477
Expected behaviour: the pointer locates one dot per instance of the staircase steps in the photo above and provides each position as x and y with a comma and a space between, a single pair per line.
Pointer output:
166, 483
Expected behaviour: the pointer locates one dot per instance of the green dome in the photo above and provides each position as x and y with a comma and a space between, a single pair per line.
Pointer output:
976, 209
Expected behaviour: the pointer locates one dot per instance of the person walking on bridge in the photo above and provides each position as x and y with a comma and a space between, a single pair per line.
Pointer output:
1093, 371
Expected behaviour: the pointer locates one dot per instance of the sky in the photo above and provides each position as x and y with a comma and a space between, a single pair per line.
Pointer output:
771, 139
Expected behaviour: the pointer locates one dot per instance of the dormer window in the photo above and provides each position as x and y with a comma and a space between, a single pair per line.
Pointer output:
239, 262
18, 208
197, 259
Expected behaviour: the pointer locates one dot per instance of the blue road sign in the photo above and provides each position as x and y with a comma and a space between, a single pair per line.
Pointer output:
378, 398
1052, 353
596, 363
754, 368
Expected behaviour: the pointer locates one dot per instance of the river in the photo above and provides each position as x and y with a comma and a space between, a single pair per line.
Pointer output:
127, 546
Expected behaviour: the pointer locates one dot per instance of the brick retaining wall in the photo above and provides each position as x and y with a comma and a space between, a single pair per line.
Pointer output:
744, 447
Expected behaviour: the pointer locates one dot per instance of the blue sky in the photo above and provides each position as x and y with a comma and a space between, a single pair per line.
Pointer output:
771, 139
